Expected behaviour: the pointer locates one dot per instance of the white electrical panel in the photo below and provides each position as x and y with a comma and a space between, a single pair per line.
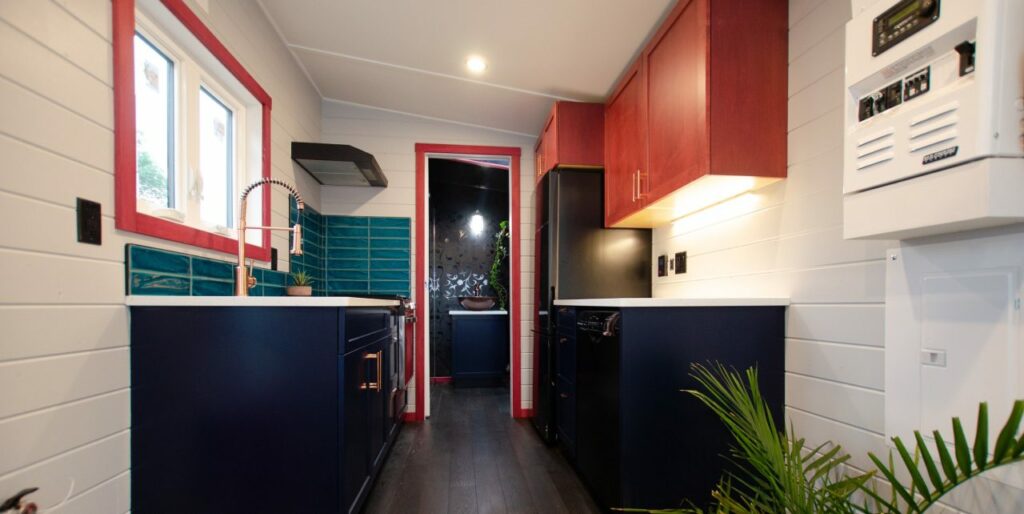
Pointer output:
953, 337
931, 85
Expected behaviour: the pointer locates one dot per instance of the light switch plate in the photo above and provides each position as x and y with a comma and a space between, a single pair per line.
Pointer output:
680, 262
90, 222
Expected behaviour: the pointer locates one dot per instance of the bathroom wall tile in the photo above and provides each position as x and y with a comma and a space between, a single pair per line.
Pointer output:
151, 259
141, 283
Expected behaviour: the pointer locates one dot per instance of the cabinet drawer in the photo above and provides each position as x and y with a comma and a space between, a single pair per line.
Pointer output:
565, 415
364, 326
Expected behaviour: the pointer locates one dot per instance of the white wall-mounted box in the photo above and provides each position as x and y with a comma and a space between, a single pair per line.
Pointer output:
953, 333
932, 86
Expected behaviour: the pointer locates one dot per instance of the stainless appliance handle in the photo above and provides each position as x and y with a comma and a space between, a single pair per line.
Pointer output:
611, 325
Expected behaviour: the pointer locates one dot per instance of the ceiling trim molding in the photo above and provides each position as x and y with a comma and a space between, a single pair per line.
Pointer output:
280, 35
429, 118
428, 72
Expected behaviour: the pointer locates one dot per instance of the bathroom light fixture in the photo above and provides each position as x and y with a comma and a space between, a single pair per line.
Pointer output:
476, 64
476, 224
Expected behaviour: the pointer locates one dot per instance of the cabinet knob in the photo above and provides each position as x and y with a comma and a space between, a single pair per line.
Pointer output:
563, 340
563, 395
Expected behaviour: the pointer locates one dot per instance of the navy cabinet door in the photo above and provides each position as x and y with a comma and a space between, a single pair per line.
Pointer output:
375, 401
356, 438
566, 417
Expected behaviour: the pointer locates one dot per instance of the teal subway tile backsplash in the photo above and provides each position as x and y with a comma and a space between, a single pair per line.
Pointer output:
355, 246
152, 271
141, 283
151, 259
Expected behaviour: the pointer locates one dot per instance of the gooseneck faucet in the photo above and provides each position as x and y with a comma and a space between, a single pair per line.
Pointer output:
243, 276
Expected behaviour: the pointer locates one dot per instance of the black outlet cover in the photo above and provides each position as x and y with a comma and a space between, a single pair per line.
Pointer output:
273, 259
90, 222
662, 270
680, 262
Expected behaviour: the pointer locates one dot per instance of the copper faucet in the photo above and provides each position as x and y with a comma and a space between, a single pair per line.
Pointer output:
243, 276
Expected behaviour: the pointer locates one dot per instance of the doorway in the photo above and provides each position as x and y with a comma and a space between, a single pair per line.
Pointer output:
463, 193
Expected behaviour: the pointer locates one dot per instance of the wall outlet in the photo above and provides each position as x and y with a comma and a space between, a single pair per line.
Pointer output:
90, 222
680, 262
662, 266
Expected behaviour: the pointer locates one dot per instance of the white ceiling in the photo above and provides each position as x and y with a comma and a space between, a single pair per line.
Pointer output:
409, 55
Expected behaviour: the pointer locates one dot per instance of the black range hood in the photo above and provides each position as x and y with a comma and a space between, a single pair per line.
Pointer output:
339, 165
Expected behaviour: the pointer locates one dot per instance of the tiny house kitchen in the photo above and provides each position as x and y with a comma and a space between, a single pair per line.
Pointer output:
566, 257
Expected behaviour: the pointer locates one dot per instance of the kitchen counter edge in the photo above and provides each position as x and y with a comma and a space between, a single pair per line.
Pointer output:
674, 302
256, 301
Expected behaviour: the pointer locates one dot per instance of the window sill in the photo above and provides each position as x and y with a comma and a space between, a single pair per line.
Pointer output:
148, 225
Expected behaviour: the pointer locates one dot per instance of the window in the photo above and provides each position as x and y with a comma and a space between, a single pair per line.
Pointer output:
193, 122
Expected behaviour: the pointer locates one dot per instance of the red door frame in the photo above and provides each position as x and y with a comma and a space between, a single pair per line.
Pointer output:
515, 300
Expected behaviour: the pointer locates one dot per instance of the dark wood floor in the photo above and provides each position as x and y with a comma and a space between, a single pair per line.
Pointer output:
472, 457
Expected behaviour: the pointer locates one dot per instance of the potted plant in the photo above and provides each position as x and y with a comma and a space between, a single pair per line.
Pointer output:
302, 285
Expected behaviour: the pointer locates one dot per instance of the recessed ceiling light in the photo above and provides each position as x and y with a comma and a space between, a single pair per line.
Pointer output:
476, 64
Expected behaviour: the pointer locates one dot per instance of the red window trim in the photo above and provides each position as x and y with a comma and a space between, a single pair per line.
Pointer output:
127, 216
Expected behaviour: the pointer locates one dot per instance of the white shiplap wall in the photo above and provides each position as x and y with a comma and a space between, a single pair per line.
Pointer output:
391, 137
64, 377
786, 240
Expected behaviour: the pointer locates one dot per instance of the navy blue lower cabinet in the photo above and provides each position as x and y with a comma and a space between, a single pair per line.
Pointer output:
641, 441
479, 349
255, 409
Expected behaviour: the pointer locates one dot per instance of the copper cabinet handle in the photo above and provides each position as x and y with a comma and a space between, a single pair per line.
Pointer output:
563, 340
375, 386
640, 178
563, 395
633, 184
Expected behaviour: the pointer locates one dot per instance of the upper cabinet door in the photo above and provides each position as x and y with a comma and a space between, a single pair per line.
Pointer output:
625, 147
677, 128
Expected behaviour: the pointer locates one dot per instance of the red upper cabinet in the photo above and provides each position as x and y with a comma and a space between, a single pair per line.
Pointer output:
625, 146
714, 109
572, 137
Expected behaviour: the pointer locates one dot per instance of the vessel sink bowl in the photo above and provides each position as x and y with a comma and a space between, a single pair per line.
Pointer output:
477, 303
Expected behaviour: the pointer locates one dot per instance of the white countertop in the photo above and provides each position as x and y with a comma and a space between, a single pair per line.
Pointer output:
674, 302
475, 313
256, 301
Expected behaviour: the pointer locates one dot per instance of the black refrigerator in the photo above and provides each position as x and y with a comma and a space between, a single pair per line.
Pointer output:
577, 257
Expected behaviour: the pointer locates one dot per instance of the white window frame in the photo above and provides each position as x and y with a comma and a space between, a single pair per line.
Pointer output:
191, 74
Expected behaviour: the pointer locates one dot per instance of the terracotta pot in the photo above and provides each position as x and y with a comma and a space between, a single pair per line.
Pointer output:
299, 291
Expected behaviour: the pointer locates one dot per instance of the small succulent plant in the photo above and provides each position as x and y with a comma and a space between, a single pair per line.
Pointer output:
302, 278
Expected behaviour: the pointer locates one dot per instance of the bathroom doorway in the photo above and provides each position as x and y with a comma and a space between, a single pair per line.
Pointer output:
467, 257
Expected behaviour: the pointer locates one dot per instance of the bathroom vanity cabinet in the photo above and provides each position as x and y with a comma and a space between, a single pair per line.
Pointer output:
259, 409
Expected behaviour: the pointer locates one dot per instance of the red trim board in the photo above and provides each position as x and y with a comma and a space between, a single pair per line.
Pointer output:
127, 216
515, 300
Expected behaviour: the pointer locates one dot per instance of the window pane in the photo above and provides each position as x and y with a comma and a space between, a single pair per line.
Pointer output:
154, 124
215, 160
